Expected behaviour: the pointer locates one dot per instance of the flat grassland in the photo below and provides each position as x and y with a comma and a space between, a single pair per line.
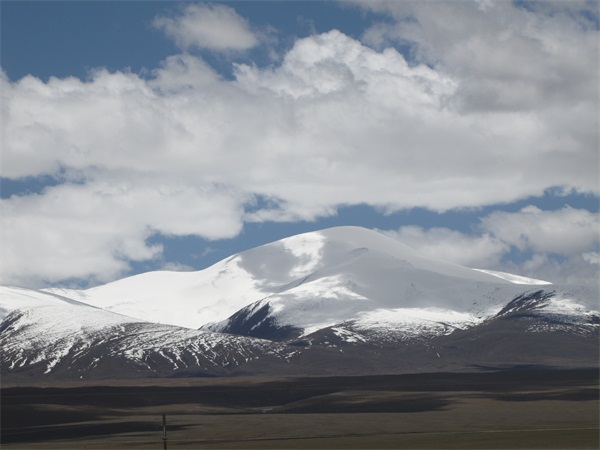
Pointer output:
506, 409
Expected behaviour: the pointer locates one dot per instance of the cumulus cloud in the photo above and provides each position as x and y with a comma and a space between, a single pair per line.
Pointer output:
208, 26
508, 55
185, 151
332, 113
561, 245
567, 231
94, 229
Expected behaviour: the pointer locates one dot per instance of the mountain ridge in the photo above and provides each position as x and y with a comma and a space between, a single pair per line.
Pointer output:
340, 300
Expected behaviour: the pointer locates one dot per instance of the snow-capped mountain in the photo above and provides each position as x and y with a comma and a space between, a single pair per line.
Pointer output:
288, 302
343, 271
43, 333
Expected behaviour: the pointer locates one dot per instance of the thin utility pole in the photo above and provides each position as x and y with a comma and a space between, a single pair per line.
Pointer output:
164, 431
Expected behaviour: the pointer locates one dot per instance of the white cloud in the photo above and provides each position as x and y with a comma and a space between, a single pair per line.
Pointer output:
185, 151
592, 257
333, 113
507, 56
92, 230
573, 270
208, 26
176, 267
479, 251
562, 244
567, 231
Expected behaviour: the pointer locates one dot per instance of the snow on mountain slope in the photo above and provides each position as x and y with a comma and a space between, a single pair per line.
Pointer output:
192, 299
517, 279
43, 327
369, 284
53, 333
73, 316
311, 280
186, 299
360, 275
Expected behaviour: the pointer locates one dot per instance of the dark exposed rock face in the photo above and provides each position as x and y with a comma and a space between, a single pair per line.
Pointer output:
258, 323
527, 302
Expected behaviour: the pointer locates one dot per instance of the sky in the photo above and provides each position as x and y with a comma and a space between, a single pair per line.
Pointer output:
149, 135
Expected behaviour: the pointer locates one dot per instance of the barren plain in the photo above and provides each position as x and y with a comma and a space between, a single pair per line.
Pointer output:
526, 408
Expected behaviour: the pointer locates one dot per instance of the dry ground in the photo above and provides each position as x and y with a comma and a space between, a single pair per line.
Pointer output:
512, 409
